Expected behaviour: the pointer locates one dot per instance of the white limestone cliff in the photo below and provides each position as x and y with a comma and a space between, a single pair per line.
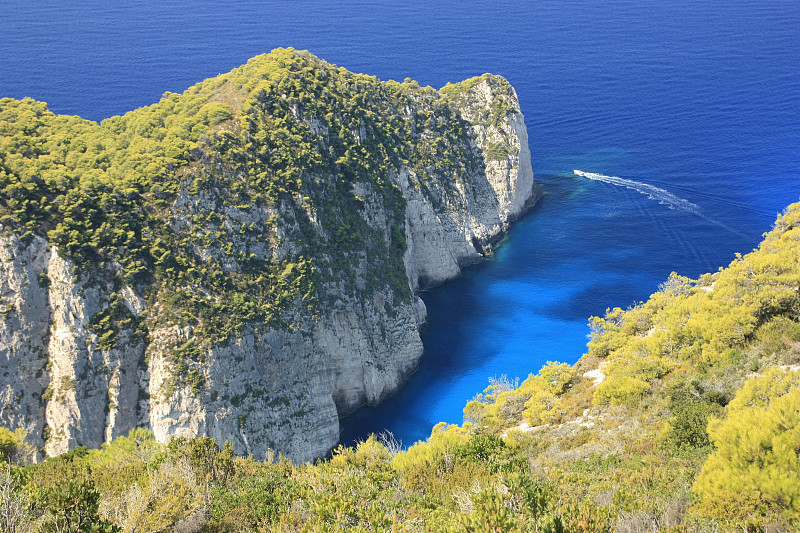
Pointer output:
269, 388
442, 243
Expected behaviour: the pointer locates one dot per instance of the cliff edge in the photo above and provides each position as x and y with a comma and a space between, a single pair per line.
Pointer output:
243, 260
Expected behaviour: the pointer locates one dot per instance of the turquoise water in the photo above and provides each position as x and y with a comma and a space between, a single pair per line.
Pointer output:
694, 98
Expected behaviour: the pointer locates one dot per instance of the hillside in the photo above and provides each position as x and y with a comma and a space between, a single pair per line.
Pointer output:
242, 260
684, 415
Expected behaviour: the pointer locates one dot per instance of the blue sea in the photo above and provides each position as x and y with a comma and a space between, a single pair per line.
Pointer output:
695, 103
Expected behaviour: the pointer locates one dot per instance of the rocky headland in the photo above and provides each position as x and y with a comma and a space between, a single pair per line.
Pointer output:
241, 261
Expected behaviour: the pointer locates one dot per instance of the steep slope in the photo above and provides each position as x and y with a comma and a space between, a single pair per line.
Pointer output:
683, 417
241, 261
683, 413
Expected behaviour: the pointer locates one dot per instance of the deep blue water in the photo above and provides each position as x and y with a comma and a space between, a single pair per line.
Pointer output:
698, 98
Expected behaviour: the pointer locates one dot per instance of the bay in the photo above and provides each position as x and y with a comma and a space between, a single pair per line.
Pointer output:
698, 99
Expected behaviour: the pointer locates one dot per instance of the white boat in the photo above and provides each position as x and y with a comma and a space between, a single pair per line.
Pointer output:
585, 174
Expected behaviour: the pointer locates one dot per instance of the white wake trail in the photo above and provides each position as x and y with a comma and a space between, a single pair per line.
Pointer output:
652, 192
655, 193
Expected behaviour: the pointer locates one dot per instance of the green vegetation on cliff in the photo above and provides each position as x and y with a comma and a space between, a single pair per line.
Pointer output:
695, 426
248, 200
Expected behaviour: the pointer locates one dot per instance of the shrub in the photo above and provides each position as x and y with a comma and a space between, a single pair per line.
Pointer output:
751, 477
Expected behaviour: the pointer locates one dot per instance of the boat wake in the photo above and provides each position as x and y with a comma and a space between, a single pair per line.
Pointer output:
661, 196
652, 192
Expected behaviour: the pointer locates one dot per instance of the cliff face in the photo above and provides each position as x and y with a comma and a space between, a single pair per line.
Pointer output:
203, 305
444, 241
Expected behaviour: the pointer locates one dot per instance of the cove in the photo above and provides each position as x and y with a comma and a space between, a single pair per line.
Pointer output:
695, 98
584, 247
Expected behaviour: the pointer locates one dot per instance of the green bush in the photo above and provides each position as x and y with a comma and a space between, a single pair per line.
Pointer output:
751, 477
